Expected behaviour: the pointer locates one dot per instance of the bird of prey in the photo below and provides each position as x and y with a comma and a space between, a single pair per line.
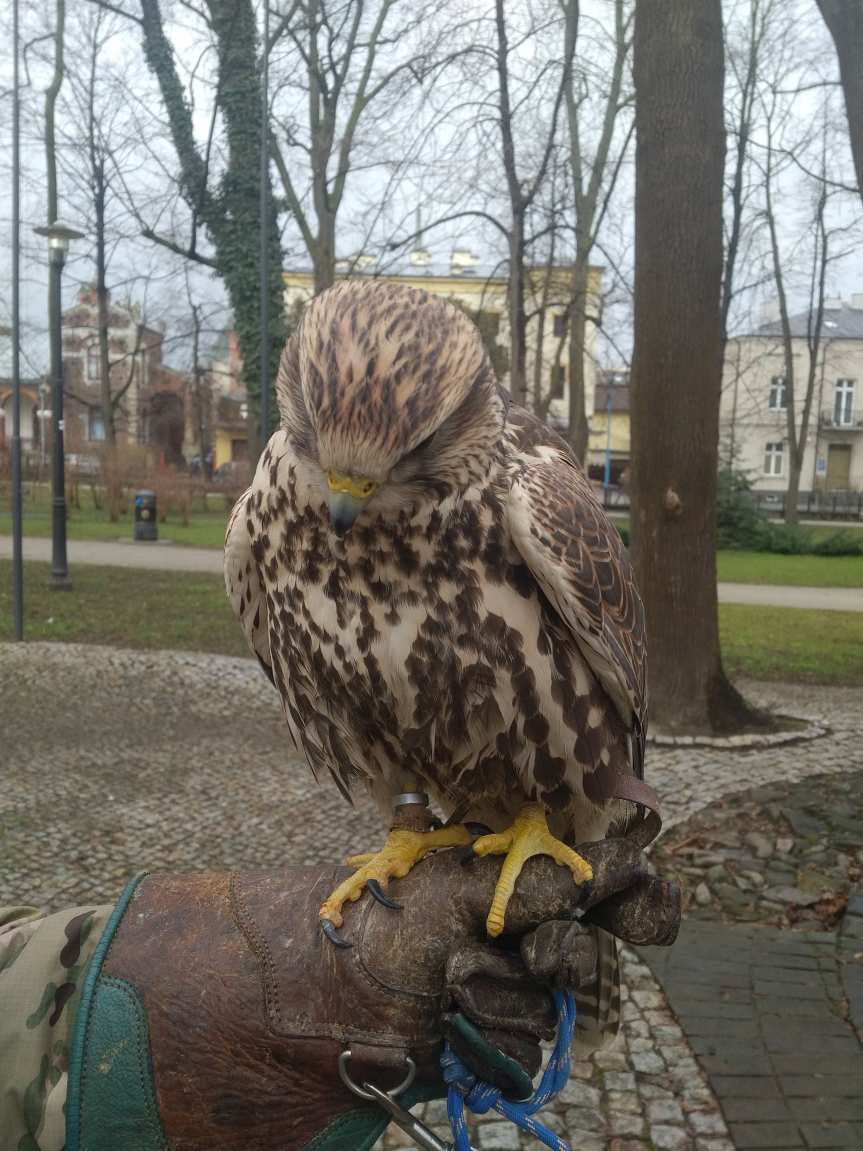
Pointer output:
425, 574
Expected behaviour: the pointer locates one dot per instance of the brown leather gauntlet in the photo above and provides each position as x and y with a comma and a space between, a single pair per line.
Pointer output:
248, 1007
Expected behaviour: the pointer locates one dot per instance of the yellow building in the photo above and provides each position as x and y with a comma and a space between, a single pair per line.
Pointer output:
482, 293
609, 444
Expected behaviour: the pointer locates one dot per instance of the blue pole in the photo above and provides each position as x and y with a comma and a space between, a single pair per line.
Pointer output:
606, 483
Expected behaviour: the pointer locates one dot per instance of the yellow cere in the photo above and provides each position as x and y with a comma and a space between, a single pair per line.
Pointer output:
356, 486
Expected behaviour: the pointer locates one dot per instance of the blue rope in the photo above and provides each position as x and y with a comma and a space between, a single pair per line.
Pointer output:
464, 1087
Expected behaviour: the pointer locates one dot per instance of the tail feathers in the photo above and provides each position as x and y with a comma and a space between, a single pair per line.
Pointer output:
598, 1003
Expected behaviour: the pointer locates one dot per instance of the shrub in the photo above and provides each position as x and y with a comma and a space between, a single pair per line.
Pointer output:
739, 523
839, 543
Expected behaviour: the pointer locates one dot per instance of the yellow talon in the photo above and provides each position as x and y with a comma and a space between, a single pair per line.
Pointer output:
528, 836
401, 851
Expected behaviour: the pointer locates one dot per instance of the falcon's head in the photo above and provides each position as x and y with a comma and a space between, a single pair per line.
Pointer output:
390, 393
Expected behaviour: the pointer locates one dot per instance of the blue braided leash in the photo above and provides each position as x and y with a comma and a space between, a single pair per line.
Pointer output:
464, 1087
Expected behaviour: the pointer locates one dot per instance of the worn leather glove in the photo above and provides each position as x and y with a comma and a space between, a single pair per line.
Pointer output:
214, 1012
506, 990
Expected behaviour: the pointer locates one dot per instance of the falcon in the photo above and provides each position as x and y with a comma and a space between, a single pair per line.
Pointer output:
425, 574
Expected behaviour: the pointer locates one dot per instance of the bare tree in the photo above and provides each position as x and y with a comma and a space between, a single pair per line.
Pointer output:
799, 387
218, 177
338, 76
98, 141
594, 178
746, 59
680, 133
521, 191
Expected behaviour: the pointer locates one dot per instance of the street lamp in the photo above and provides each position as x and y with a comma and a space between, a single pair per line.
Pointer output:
59, 236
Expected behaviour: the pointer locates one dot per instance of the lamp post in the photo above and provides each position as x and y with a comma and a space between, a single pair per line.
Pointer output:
17, 525
59, 236
265, 231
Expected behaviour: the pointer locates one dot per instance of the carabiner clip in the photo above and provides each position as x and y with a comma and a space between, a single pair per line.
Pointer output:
424, 1138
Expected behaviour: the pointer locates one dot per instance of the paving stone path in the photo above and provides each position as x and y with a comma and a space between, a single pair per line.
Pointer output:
767, 1013
112, 761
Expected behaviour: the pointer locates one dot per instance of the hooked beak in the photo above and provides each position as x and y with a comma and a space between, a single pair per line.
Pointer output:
344, 509
348, 497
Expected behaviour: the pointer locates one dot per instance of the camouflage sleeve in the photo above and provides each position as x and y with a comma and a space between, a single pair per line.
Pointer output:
42, 961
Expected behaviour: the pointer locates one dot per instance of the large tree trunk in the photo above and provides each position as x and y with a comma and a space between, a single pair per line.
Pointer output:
795, 467
677, 365
325, 252
844, 18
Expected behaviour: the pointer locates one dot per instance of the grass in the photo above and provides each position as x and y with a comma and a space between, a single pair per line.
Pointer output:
128, 608
125, 607
792, 571
795, 646
206, 530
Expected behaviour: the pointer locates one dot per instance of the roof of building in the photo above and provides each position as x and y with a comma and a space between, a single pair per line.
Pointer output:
460, 264
840, 323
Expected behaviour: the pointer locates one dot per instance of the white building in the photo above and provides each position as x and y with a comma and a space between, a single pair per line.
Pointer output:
482, 292
753, 409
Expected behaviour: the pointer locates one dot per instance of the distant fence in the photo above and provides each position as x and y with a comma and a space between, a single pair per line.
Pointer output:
839, 505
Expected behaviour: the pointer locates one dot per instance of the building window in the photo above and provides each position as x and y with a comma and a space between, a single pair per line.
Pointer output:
843, 403
773, 459
778, 394
559, 324
93, 362
558, 380
96, 426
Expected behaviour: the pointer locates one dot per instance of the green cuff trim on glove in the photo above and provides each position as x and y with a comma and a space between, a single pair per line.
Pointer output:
111, 1102
492, 1058
359, 1130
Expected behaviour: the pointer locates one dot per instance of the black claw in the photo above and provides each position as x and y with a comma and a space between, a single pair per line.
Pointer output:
468, 855
329, 929
478, 828
378, 892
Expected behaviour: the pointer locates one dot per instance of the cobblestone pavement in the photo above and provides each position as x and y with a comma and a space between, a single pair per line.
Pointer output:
112, 761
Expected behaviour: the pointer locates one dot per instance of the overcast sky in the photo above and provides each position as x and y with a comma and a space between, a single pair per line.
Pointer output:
444, 161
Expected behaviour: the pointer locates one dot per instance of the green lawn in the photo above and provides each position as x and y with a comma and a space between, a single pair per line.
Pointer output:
796, 571
792, 645
125, 607
140, 609
206, 530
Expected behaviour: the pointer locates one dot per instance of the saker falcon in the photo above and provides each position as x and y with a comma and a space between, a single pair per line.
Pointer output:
425, 574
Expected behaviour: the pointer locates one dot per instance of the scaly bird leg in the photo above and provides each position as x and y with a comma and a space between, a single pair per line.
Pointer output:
528, 836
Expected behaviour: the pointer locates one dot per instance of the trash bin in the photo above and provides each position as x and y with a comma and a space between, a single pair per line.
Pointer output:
146, 523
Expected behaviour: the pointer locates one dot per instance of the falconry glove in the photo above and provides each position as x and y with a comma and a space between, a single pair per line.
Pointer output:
506, 992
215, 1014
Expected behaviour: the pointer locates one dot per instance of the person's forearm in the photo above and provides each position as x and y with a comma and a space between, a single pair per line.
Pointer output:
42, 964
